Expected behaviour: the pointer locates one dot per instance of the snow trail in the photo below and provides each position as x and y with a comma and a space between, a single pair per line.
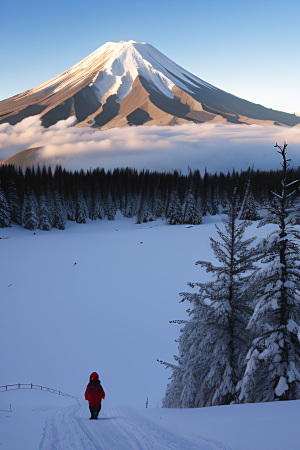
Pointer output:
116, 429
61, 432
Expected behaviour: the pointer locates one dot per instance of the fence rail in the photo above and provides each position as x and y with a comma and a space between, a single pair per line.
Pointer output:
13, 387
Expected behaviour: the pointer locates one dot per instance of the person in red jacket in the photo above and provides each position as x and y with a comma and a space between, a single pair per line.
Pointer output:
94, 394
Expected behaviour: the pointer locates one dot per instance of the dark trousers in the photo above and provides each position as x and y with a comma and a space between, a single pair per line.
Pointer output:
95, 411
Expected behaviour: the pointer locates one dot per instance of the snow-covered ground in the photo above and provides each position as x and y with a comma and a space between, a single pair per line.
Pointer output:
109, 313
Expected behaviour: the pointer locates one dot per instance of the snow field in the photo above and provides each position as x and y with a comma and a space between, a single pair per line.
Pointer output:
109, 313
259, 426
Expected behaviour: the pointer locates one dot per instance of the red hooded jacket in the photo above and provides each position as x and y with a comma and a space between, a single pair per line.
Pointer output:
94, 391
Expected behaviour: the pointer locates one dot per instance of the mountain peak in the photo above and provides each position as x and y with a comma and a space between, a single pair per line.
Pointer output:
95, 91
127, 42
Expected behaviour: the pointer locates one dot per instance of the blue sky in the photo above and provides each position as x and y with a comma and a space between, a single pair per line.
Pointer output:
250, 49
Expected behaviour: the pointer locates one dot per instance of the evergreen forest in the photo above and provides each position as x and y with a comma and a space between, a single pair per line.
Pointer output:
42, 198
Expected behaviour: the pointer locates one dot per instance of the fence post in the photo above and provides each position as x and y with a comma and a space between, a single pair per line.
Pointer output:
147, 403
31, 386
19, 386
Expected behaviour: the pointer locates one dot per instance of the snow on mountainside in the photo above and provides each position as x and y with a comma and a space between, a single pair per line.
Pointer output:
131, 83
126, 61
130, 59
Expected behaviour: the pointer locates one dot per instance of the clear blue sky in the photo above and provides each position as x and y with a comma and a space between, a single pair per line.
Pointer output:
248, 48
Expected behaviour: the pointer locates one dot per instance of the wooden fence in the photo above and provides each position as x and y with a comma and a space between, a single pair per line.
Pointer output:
13, 387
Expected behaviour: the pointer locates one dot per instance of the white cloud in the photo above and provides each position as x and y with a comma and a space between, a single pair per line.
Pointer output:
219, 147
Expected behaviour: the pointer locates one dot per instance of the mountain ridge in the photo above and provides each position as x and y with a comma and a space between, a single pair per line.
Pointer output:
137, 75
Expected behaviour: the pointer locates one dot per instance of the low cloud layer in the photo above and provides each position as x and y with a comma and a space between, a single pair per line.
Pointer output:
219, 147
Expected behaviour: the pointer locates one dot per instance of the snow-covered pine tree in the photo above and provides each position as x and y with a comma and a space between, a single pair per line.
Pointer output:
70, 208
97, 210
158, 205
224, 201
44, 215
135, 203
215, 201
249, 208
175, 389
192, 214
88, 199
117, 197
50, 203
30, 212
130, 208
214, 343
273, 361
144, 210
110, 208
185, 389
60, 217
14, 203
199, 205
5, 217
174, 212
206, 195
81, 208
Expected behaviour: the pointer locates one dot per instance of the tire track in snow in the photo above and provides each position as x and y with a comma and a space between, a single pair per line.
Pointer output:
62, 432
116, 429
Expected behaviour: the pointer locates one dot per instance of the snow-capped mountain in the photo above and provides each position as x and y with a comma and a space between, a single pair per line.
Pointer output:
131, 83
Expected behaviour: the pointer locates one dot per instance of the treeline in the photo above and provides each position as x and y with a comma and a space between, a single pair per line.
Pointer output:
42, 198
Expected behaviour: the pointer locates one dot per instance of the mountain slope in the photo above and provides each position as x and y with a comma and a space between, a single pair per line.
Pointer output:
130, 83
26, 158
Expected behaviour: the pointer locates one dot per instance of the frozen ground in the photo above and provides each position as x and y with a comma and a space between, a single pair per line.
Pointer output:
109, 313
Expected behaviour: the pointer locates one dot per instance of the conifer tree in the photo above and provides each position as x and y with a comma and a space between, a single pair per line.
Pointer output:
158, 205
144, 210
215, 201
192, 214
130, 206
50, 204
5, 217
81, 208
60, 217
199, 206
206, 195
30, 212
14, 203
97, 211
89, 200
44, 215
214, 343
250, 208
70, 208
174, 212
128, 203
273, 361
110, 208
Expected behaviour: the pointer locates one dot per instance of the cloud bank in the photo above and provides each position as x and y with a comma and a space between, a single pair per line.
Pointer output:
218, 147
